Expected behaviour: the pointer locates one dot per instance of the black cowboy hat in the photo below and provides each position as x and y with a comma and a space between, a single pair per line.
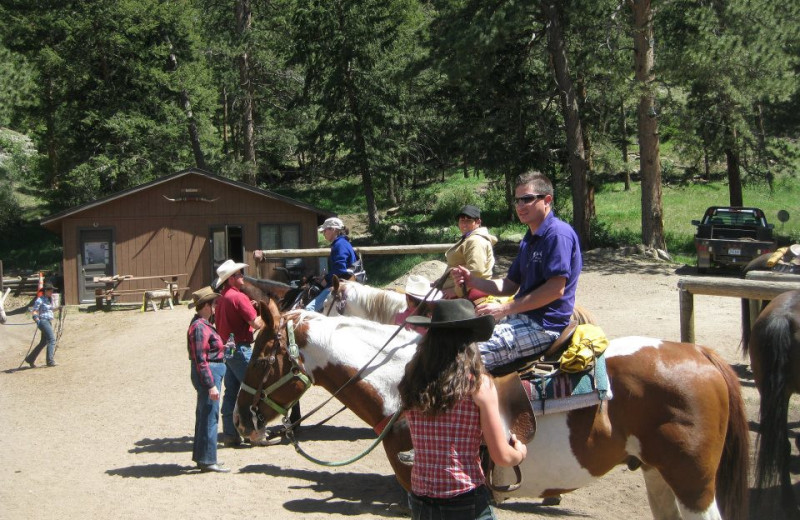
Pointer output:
48, 287
456, 314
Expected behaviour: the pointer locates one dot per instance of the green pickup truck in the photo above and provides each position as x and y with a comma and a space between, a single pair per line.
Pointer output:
731, 236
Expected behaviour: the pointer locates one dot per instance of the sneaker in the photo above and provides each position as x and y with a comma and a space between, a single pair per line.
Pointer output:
31, 364
53, 364
406, 457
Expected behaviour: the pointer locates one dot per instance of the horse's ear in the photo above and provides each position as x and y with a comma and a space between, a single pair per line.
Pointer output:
335, 280
269, 313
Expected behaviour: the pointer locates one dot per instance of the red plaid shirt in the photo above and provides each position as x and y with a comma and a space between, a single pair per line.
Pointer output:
446, 450
205, 346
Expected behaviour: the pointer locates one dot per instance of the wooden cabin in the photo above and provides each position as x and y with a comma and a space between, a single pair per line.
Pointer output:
184, 225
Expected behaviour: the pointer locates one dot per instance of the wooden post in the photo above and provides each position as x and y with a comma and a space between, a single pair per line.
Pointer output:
687, 316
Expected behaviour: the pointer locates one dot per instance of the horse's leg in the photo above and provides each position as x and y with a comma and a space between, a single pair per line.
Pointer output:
397, 440
660, 496
685, 448
664, 504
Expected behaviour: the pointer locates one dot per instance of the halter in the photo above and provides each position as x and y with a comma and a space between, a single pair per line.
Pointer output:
297, 372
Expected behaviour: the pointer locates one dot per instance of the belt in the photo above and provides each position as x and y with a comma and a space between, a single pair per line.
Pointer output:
439, 501
216, 360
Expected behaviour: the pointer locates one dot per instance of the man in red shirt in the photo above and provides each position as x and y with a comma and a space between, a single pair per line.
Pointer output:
235, 314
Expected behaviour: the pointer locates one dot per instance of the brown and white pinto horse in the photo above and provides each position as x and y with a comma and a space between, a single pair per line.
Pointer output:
774, 350
677, 411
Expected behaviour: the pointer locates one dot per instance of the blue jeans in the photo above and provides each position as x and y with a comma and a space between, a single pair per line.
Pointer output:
316, 304
48, 338
237, 366
472, 505
206, 417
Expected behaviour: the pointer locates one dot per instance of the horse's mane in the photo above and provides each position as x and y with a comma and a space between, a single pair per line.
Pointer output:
354, 338
379, 305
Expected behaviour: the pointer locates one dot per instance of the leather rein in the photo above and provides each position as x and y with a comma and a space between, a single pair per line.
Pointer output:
298, 371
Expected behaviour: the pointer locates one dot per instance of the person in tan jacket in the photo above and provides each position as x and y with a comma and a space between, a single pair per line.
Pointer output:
474, 251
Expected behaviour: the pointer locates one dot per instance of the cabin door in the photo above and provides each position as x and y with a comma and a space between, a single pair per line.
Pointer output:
226, 242
95, 259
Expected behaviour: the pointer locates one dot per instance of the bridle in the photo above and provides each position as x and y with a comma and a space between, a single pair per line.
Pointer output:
339, 300
297, 371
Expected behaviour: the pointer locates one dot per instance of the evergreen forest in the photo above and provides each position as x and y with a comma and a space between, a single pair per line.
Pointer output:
103, 95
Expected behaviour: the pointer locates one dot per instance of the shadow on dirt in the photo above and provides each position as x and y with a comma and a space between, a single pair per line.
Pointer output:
345, 493
164, 445
153, 471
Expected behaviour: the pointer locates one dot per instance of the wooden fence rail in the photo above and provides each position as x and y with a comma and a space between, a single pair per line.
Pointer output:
363, 250
718, 286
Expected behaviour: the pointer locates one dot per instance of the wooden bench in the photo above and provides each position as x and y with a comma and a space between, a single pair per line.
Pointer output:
164, 295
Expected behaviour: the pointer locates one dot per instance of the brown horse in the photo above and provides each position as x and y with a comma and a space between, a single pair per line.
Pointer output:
260, 289
774, 350
677, 411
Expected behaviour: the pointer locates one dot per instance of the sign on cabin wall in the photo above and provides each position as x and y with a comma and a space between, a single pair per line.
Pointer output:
190, 195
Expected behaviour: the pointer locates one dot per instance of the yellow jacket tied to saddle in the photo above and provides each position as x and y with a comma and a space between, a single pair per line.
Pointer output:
587, 343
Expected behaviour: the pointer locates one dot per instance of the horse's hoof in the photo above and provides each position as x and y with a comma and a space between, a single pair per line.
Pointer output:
406, 457
552, 501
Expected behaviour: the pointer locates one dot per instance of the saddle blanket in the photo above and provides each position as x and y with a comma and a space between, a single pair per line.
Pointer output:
562, 392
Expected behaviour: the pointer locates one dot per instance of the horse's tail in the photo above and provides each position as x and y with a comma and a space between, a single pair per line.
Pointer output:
732, 490
746, 325
773, 338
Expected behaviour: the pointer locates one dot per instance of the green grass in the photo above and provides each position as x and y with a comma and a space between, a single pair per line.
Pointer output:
384, 269
620, 211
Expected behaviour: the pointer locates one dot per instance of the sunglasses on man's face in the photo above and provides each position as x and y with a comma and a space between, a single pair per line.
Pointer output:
527, 199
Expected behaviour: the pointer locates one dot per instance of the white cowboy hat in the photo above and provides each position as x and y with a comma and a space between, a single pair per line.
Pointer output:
419, 287
331, 223
224, 271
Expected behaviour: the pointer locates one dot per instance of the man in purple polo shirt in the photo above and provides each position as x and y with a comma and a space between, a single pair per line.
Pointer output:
542, 278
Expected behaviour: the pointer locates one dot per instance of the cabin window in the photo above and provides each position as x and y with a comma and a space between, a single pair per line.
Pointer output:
281, 236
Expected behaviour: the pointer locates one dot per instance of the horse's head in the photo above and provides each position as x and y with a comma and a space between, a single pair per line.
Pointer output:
336, 302
350, 298
275, 378
259, 289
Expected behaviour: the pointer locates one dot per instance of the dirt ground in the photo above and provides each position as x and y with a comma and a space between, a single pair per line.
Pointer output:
108, 433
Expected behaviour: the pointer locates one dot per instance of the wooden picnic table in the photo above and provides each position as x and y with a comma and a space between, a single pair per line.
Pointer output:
112, 284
